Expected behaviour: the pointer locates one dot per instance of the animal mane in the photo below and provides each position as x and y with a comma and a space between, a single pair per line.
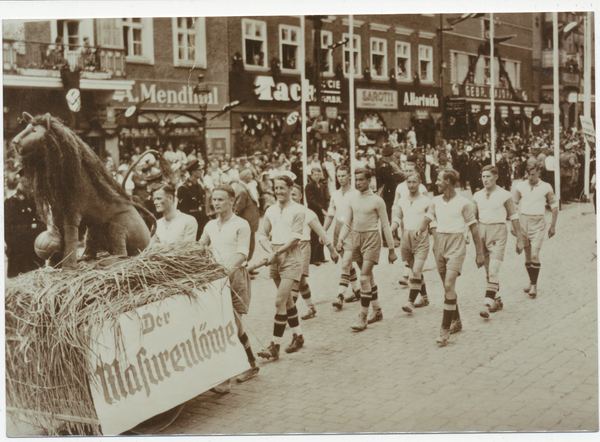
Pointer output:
58, 170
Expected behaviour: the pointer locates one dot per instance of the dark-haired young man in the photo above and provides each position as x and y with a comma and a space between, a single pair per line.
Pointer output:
365, 211
338, 206
311, 224
283, 223
408, 215
531, 196
453, 213
493, 206
228, 237
174, 226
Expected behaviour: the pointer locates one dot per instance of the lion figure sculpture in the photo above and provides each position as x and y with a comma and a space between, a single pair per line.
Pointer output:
72, 188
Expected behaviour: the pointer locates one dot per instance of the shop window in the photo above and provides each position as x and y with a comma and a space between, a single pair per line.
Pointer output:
402, 61
425, 63
378, 58
255, 43
189, 41
352, 52
326, 53
289, 46
138, 40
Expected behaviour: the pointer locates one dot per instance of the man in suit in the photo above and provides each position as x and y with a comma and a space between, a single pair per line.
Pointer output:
191, 196
317, 199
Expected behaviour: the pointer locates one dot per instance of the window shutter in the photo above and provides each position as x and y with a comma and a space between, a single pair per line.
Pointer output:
109, 32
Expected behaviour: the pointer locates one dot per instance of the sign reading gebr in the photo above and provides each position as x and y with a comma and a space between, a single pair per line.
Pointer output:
376, 99
162, 355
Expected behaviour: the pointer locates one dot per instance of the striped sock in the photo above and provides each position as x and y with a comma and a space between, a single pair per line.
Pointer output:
279, 327
456, 313
415, 287
246, 343
529, 270
344, 280
365, 292
375, 298
535, 271
354, 280
449, 311
295, 295
306, 295
292, 318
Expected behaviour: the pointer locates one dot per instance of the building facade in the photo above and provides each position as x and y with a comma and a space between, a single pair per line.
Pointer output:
467, 73
392, 58
148, 65
571, 48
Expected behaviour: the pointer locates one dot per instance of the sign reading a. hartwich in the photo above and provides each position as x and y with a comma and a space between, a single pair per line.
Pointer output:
163, 355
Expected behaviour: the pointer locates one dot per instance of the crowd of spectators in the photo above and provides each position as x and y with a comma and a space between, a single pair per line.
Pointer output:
252, 176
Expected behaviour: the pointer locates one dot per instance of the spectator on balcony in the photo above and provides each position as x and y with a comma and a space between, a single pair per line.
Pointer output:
55, 54
86, 55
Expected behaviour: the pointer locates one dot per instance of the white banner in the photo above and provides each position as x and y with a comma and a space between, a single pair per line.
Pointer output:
164, 354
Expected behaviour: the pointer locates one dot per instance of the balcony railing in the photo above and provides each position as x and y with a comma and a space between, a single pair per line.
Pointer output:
25, 58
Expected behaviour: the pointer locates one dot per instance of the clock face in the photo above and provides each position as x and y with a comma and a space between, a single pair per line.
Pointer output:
130, 111
537, 120
292, 118
483, 120
74, 100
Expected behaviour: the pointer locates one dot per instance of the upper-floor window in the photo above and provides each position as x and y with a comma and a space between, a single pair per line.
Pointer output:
138, 40
378, 58
289, 46
402, 61
475, 70
68, 31
425, 63
189, 41
255, 43
354, 49
326, 53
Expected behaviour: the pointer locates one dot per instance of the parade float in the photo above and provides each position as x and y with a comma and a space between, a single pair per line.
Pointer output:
107, 346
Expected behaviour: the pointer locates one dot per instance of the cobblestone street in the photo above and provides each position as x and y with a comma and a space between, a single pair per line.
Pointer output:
531, 367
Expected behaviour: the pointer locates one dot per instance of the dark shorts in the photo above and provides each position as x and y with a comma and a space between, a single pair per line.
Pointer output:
366, 246
450, 251
288, 265
239, 284
414, 248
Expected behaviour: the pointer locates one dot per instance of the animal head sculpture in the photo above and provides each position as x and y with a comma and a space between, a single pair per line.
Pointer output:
55, 162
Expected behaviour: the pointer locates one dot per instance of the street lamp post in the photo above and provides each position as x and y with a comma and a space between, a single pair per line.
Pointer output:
202, 91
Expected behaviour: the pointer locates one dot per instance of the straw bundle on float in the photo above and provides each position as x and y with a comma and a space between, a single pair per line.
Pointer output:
50, 315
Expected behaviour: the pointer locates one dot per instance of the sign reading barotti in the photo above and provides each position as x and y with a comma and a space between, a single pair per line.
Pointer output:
376, 99
162, 355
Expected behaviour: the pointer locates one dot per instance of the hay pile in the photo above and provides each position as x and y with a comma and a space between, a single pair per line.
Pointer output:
50, 314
